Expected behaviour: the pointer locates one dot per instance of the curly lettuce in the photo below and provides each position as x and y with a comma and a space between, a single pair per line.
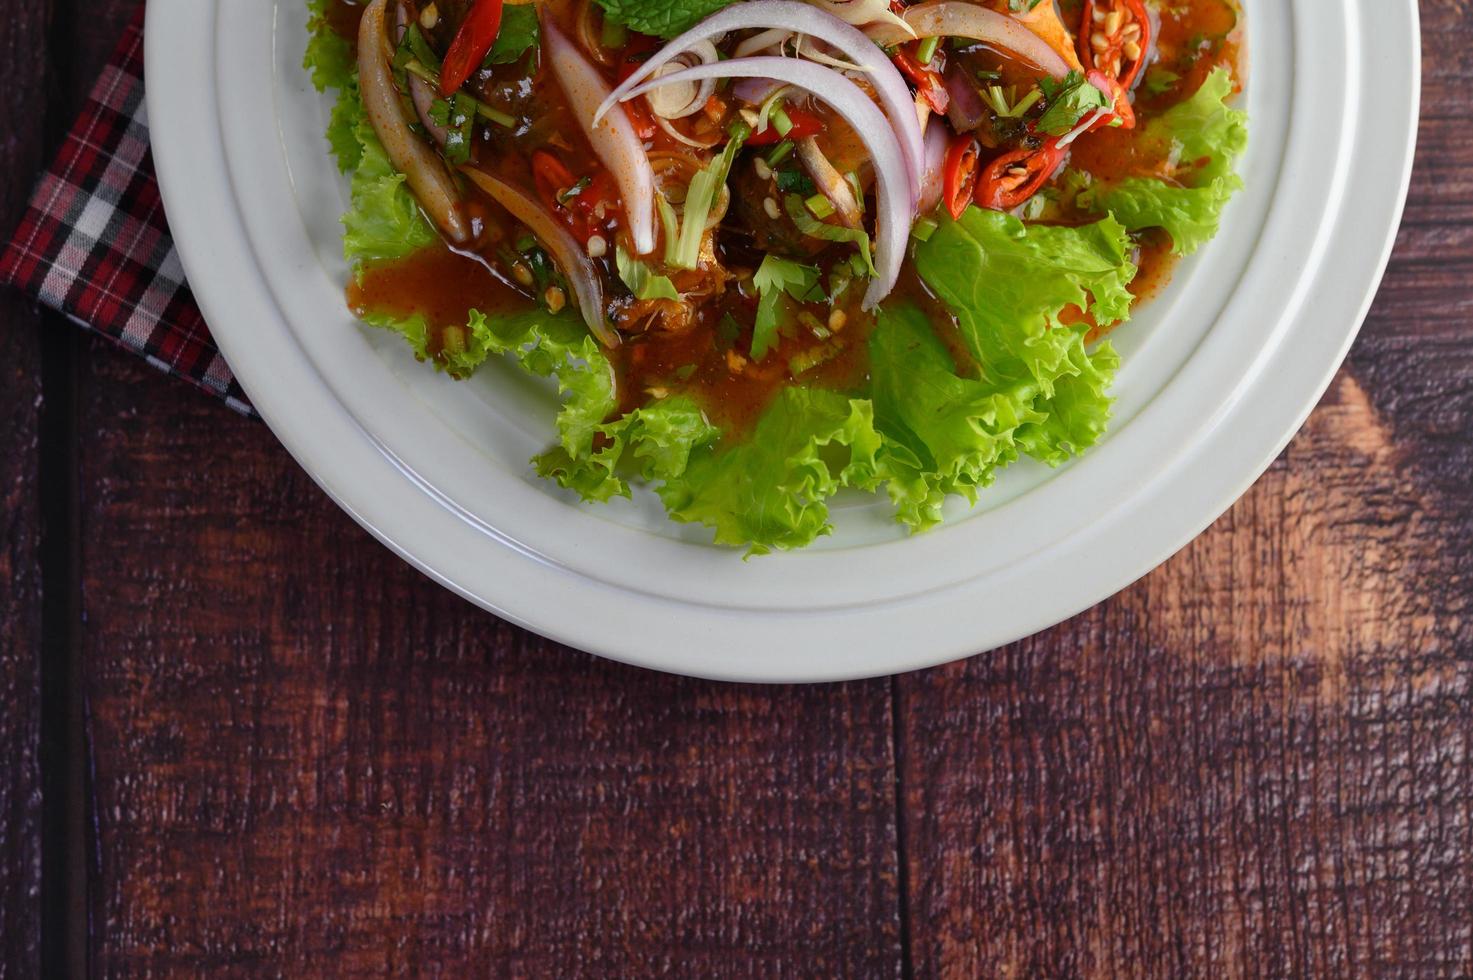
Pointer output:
922, 428
1037, 390
771, 490
1207, 136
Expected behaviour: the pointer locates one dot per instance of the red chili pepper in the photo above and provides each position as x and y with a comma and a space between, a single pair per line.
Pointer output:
1014, 177
471, 45
1123, 30
925, 78
804, 123
581, 211
552, 179
1122, 109
636, 109
960, 173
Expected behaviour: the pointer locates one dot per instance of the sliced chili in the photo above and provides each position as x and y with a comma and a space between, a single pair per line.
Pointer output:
637, 109
804, 123
926, 78
1014, 177
593, 204
1115, 37
959, 174
471, 45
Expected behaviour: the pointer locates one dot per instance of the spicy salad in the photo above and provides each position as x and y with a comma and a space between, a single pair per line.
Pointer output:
769, 249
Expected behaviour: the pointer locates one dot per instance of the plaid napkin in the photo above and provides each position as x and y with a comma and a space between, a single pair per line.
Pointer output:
94, 244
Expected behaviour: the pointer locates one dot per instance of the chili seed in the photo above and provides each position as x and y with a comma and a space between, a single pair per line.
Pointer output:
770, 206
522, 274
556, 300
597, 246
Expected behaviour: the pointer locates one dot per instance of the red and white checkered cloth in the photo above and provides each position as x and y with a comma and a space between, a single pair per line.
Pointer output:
94, 243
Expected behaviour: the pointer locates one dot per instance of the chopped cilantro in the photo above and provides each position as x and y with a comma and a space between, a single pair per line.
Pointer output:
1070, 99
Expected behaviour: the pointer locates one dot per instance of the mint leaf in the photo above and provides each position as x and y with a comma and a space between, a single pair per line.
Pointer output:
661, 18
519, 33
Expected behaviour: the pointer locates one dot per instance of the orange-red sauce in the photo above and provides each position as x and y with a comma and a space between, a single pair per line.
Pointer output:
709, 359
440, 285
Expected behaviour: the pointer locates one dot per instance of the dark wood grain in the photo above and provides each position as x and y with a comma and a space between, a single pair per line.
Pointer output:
22, 51
1259, 760
309, 760
312, 760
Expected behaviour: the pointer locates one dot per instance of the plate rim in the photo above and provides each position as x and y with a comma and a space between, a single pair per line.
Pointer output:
195, 228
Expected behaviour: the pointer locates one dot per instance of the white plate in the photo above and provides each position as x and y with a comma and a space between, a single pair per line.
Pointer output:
1219, 373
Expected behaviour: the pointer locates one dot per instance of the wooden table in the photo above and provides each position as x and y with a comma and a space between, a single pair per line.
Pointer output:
241, 737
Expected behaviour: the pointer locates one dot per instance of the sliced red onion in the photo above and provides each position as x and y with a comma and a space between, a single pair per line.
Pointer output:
804, 48
423, 96
861, 13
801, 18
677, 105
760, 42
613, 138
420, 92
830, 183
423, 170
679, 137
755, 91
932, 186
894, 191
560, 243
960, 18
964, 108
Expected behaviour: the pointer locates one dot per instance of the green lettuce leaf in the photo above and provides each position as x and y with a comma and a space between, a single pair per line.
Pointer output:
1008, 284
384, 221
771, 490
330, 60
329, 55
661, 18
1190, 215
1208, 136
943, 433
1076, 415
654, 441
1039, 391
